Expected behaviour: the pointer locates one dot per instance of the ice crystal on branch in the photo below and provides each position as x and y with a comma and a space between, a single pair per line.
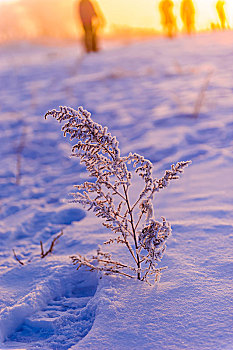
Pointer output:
108, 196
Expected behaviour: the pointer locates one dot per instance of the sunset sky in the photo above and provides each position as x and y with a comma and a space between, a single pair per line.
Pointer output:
133, 13
144, 13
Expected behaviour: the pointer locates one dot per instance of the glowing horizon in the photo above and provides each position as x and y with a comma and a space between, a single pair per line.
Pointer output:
134, 13
57, 18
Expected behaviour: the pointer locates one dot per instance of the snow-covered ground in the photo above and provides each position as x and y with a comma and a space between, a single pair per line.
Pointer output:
166, 100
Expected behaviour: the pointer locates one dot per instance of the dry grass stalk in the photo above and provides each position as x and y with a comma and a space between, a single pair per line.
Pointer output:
42, 254
201, 96
16, 257
50, 250
108, 195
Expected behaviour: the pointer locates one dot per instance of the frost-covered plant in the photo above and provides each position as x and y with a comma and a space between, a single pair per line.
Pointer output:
109, 196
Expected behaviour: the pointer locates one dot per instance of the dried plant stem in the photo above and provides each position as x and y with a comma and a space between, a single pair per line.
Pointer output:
121, 273
117, 192
139, 219
43, 254
50, 250
201, 96
130, 249
134, 232
109, 197
118, 264
19, 261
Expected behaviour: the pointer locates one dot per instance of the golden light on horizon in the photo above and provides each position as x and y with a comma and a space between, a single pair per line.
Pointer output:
57, 18
145, 13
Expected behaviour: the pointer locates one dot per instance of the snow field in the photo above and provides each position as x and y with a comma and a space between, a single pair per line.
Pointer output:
146, 93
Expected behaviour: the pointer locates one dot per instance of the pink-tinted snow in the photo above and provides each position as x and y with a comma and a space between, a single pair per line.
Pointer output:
146, 94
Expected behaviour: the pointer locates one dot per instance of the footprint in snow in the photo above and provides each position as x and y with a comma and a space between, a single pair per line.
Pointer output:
61, 324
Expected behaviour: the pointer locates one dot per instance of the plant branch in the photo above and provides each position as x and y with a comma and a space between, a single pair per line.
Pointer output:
19, 261
50, 250
134, 232
110, 190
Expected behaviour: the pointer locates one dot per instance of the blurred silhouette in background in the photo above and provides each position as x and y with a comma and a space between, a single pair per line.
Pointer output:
92, 20
221, 13
187, 13
168, 19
